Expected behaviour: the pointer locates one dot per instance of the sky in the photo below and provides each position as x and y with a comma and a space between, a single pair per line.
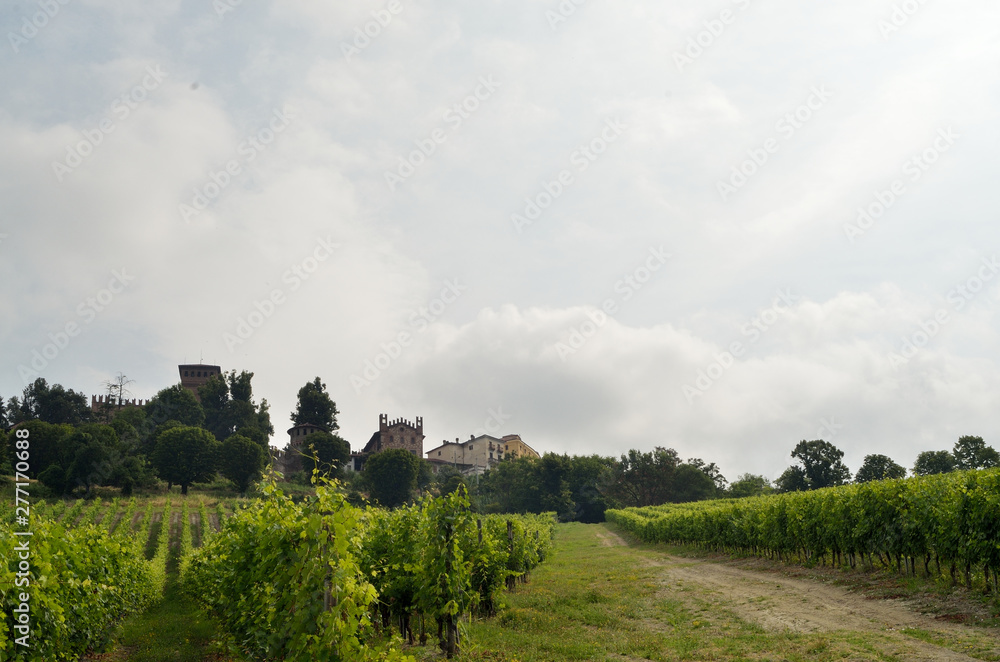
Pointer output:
721, 227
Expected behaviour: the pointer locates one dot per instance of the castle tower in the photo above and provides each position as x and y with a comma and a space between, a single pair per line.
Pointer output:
195, 375
397, 433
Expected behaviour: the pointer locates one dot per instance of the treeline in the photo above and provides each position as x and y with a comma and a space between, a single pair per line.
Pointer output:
174, 437
581, 487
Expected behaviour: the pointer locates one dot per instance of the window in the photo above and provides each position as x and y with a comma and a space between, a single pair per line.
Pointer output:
391, 439
185, 373
439, 453
470, 447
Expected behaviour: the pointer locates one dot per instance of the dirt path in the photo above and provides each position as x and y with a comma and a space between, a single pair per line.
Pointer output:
779, 603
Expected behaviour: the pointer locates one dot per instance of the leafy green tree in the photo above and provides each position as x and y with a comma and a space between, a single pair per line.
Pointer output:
316, 407
4, 421
54, 404
454, 483
230, 409
175, 403
392, 476
332, 451
821, 464
90, 463
691, 483
509, 487
54, 478
6, 451
712, 471
973, 453
792, 480
878, 467
47, 444
242, 461
185, 455
644, 479
934, 462
554, 494
587, 474
748, 485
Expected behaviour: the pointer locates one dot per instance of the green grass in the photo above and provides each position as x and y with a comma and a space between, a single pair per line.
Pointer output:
173, 630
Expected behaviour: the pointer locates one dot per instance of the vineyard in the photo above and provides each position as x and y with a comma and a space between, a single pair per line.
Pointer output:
946, 523
315, 579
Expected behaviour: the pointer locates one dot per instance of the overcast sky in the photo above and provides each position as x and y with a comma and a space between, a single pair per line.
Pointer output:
721, 227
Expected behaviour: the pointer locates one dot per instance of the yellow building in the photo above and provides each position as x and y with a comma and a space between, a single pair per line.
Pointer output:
478, 454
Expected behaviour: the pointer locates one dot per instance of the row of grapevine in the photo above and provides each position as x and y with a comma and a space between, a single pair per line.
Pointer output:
316, 579
184, 553
82, 582
206, 526
949, 518
158, 564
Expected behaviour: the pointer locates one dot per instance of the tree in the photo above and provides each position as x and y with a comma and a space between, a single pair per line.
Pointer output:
47, 444
175, 403
53, 404
878, 467
748, 485
710, 470
242, 461
315, 407
821, 464
89, 465
332, 451
691, 483
792, 480
6, 451
644, 479
4, 421
185, 455
973, 453
392, 476
934, 462
229, 408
